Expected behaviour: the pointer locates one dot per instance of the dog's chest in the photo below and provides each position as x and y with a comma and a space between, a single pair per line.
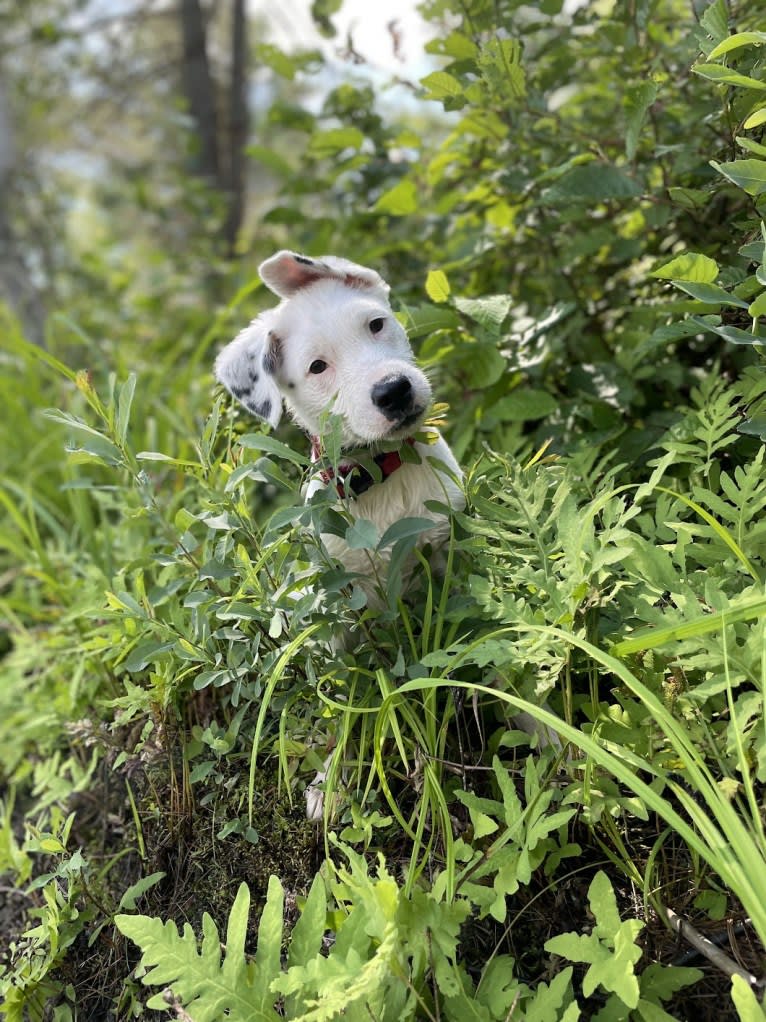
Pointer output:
404, 494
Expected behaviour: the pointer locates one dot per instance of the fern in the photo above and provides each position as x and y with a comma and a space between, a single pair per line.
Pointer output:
611, 953
207, 985
523, 837
708, 428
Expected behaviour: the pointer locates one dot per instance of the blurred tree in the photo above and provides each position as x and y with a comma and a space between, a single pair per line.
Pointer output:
16, 287
219, 155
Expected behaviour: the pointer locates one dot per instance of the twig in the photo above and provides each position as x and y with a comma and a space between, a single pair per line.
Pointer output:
706, 947
175, 1005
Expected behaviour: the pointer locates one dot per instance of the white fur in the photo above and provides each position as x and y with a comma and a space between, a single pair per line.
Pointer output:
336, 313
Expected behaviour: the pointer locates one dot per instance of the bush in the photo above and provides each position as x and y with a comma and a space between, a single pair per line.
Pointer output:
579, 254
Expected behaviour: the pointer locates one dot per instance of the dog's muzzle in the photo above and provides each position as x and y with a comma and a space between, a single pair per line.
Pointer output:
394, 397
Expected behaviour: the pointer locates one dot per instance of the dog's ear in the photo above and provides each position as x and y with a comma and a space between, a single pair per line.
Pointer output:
288, 272
246, 368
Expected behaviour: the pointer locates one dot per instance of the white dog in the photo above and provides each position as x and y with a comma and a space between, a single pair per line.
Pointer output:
334, 345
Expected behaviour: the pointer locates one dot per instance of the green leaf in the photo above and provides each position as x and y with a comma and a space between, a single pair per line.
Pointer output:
754, 251
499, 63
334, 141
207, 986
488, 312
756, 118
454, 45
715, 20
135, 891
758, 307
525, 404
124, 402
688, 266
594, 182
166, 459
603, 903
270, 445
689, 198
437, 286
614, 971
442, 85
712, 294
405, 528
276, 59
637, 103
751, 146
754, 427
306, 937
745, 1001
661, 982
269, 158
725, 76
401, 200
610, 949
549, 1000
321, 12
362, 535
499, 988
483, 365
734, 42
729, 333
146, 653
651, 638
647, 1011
750, 175
268, 953
481, 822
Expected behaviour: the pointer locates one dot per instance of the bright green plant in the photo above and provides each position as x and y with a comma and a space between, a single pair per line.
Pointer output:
611, 953
29, 984
168, 609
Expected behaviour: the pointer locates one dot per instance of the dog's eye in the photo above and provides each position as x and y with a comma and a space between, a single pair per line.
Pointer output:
317, 367
376, 325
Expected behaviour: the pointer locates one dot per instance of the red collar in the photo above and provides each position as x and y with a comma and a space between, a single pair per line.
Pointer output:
353, 476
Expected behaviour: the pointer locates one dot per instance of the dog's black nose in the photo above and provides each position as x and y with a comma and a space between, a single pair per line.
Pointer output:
393, 396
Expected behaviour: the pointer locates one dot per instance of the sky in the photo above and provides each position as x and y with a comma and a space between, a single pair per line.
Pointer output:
292, 26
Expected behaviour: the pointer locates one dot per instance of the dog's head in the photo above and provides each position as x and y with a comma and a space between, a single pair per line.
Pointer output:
332, 344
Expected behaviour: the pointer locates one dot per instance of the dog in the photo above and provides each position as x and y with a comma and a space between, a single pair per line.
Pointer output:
333, 344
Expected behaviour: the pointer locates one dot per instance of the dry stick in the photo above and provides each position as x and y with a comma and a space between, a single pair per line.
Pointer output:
175, 1005
708, 949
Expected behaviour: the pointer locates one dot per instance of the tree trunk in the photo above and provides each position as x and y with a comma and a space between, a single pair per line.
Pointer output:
16, 287
199, 89
239, 122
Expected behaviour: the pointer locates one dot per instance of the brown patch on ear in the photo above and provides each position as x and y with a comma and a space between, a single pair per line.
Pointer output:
287, 272
272, 356
358, 282
297, 277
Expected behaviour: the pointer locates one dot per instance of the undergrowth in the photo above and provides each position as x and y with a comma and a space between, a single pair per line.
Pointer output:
172, 679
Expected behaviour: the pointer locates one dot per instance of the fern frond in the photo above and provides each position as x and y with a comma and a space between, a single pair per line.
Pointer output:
207, 985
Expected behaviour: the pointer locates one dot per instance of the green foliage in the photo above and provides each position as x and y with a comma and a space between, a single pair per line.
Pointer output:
611, 953
392, 956
201, 979
572, 220
383, 946
746, 1002
29, 983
